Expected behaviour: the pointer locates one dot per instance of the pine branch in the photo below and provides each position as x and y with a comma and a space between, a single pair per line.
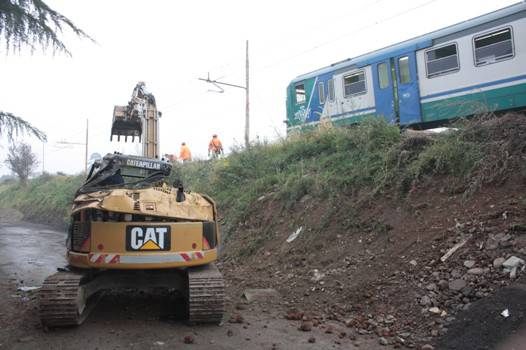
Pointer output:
32, 23
14, 126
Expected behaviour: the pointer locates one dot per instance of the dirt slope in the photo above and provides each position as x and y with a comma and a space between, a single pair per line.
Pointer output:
373, 264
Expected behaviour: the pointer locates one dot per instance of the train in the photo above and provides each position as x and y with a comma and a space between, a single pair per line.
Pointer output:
473, 67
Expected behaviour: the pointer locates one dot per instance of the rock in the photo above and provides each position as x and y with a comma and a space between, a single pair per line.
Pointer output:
431, 287
476, 271
294, 315
425, 301
435, 310
513, 272
413, 262
236, 318
492, 244
456, 273
457, 285
469, 263
25, 339
383, 341
497, 263
427, 347
443, 284
188, 339
467, 291
229, 333
260, 294
312, 340
306, 326
513, 262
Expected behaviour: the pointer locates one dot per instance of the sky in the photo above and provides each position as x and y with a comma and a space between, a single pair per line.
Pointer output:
170, 44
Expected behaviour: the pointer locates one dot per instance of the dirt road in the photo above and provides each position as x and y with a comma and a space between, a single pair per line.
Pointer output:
131, 320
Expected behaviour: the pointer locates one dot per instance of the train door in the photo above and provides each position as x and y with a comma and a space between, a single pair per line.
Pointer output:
408, 91
384, 91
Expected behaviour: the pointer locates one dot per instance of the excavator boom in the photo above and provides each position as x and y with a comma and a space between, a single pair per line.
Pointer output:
138, 119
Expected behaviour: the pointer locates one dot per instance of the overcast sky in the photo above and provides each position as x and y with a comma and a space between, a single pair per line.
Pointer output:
169, 44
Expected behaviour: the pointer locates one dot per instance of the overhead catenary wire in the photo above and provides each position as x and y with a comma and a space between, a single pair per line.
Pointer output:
359, 30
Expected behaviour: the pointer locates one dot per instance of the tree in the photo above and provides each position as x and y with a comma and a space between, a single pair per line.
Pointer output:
22, 161
13, 125
31, 23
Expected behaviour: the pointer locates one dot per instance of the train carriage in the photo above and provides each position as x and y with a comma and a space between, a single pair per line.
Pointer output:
472, 67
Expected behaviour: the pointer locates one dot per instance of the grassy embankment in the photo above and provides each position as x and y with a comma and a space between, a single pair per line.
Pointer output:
45, 199
362, 162
366, 160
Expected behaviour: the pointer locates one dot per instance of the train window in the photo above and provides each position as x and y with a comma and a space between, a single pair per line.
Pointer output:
331, 89
300, 93
383, 75
493, 47
442, 60
321, 92
403, 70
354, 84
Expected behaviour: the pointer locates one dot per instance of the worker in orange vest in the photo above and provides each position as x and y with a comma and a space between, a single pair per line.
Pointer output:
215, 147
185, 155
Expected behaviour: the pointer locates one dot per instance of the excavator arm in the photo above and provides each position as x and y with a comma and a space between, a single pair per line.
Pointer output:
138, 119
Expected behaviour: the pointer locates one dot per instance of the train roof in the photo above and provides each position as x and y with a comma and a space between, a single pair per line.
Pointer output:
422, 41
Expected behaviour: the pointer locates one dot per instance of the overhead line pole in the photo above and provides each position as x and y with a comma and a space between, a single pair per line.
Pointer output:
86, 154
247, 100
247, 107
80, 144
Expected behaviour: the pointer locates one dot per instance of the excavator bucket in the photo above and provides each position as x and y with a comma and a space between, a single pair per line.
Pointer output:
125, 124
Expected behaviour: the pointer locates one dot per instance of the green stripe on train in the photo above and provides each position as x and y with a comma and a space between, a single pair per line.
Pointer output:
475, 103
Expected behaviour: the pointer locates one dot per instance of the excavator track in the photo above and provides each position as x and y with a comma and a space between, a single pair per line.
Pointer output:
63, 300
206, 295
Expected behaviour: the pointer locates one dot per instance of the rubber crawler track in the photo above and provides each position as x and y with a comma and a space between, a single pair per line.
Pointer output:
206, 299
61, 302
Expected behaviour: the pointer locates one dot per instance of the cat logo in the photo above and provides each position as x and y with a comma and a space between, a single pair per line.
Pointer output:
147, 238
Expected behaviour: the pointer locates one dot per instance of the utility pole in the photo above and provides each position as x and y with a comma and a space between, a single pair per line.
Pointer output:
85, 144
247, 109
86, 155
246, 88
43, 158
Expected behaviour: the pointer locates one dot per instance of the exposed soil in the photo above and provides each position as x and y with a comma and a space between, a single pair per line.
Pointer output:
134, 320
365, 271
374, 264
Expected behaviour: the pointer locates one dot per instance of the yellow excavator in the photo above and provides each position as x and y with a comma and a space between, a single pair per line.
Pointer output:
131, 228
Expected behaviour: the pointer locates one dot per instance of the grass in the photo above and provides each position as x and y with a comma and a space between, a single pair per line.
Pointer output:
45, 199
372, 157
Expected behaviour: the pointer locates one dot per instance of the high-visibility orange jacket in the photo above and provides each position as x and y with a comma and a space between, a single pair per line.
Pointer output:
215, 145
185, 153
